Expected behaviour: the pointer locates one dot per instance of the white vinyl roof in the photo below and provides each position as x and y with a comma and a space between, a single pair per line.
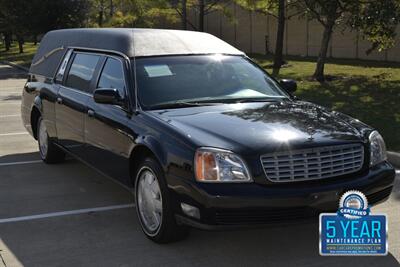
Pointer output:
153, 42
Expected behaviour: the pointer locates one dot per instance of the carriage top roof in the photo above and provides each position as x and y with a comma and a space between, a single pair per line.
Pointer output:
132, 42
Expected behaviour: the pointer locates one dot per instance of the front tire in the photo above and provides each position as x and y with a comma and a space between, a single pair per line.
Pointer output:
154, 206
49, 152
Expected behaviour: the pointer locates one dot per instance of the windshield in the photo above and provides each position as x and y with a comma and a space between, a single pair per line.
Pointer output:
202, 79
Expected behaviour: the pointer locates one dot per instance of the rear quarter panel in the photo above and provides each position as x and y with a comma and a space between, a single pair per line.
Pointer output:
41, 93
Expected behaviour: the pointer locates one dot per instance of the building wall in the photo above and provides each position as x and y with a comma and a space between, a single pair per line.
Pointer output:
253, 32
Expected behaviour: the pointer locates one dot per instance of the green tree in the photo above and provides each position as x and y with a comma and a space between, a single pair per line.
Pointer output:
181, 8
375, 20
25, 18
377, 23
17, 16
202, 7
50, 15
184, 14
205, 7
102, 11
139, 13
5, 29
281, 10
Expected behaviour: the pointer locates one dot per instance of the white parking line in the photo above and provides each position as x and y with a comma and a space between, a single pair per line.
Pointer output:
8, 116
14, 102
9, 134
65, 213
20, 162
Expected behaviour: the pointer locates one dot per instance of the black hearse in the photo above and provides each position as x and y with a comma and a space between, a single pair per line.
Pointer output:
204, 136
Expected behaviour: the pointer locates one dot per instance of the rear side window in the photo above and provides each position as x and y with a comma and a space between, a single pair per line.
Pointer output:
81, 71
112, 76
60, 73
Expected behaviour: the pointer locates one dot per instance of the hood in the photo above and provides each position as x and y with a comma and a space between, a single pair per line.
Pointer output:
260, 127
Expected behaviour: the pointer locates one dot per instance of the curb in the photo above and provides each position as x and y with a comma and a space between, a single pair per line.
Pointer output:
394, 158
14, 65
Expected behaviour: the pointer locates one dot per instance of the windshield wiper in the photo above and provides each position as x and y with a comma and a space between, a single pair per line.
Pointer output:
212, 102
258, 99
179, 104
243, 100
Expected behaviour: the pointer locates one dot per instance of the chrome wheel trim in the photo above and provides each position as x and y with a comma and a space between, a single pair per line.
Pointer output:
43, 139
149, 201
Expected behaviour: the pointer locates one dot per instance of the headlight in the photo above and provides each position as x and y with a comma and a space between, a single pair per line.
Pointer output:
377, 148
217, 165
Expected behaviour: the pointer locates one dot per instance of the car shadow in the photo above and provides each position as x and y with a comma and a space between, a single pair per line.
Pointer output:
19, 157
114, 239
10, 97
29, 156
285, 245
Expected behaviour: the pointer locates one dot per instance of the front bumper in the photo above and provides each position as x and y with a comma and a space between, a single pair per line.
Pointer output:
237, 205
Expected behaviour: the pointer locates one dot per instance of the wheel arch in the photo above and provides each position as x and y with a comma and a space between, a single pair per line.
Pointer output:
35, 115
148, 147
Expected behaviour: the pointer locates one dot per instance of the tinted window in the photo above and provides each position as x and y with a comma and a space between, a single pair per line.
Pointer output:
81, 71
112, 76
60, 73
214, 78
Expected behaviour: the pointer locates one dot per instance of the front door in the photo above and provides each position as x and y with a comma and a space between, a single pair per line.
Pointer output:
108, 141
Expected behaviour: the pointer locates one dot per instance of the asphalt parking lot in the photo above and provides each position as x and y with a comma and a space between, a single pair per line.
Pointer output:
70, 215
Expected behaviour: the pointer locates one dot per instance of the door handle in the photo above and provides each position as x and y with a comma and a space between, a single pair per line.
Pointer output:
59, 100
90, 113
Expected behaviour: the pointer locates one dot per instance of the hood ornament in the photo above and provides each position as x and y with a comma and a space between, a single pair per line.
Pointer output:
311, 131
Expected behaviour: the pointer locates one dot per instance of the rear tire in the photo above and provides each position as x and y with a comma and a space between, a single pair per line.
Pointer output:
154, 204
49, 152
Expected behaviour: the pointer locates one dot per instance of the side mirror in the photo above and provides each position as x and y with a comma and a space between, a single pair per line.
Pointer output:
289, 85
107, 96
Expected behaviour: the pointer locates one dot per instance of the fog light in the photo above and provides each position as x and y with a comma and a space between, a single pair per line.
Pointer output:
190, 210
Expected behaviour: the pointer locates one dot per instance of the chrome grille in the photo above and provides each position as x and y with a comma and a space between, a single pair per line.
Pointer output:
313, 163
